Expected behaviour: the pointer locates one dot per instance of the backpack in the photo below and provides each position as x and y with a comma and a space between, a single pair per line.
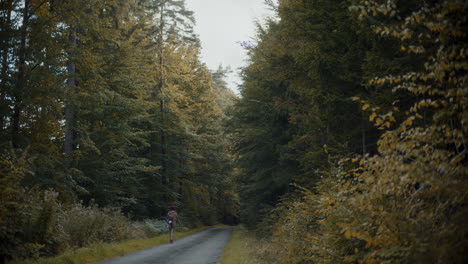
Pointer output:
169, 219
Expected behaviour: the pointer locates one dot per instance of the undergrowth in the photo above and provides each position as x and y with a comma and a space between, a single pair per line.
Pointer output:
103, 251
245, 248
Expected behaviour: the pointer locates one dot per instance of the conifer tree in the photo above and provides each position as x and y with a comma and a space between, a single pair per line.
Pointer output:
175, 25
80, 100
5, 75
403, 201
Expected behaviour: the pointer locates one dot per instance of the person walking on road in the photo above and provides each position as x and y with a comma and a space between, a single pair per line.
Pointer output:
172, 219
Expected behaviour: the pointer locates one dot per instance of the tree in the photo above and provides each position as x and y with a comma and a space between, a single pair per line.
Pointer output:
175, 25
405, 203
7, 26
88, 88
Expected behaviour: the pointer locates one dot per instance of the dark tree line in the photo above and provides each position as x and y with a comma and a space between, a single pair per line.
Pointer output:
108, 103
351, 132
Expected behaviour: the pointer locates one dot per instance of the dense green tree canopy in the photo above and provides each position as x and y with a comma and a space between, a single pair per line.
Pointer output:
347, 143
351, 132
108, 103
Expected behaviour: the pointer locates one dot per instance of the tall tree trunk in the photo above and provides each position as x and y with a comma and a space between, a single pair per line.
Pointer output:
6, 45
70, 108
19, 87
162, 109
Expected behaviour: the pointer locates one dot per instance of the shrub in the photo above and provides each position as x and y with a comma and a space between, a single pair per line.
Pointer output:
88, 225
245, 248
34, 223
28, 220
152, 227
45, 227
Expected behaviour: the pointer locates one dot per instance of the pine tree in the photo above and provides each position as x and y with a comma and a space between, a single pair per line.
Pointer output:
175, 25
88, 88
6, 24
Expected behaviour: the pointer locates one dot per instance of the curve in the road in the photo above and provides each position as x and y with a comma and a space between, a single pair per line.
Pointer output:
204, 247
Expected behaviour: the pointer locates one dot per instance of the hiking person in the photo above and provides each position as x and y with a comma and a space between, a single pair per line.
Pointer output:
172, 220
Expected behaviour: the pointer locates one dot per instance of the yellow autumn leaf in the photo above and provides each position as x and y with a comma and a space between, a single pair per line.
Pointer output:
347, 234
365, 107
372, 117
409, 122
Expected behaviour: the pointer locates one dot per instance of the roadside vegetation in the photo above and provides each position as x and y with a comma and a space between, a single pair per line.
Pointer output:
103, 251
108, 116
86, 234
351, 132
245, 248
347, 144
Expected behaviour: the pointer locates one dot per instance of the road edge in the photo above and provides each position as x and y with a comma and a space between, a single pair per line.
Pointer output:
105, 251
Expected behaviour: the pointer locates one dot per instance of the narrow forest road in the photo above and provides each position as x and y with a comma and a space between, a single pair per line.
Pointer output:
204, 247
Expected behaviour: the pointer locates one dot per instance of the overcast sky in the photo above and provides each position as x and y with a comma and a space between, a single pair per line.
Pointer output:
220, 25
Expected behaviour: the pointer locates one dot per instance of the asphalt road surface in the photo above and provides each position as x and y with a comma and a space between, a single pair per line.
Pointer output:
204, 247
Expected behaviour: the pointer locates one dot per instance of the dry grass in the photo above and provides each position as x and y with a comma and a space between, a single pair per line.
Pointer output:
244, 248
103, 251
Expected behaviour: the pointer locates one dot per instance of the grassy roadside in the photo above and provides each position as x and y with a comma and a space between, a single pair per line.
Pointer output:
243, 248
106, 251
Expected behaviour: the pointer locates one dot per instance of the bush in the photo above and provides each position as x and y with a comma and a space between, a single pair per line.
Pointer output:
245, 248
45, 227
88, 225
152, 227
33, 223
28, 217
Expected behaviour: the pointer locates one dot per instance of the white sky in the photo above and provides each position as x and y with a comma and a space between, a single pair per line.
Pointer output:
220, 25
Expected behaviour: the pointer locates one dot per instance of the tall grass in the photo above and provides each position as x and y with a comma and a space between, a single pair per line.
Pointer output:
84, 234
245, 248
103, 251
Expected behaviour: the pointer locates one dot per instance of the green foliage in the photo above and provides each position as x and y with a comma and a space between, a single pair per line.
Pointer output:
17, 205
261, 133
88, 225
244, 248
296, 106
153, 227
103, 251
405, 203
29, 218
116, 109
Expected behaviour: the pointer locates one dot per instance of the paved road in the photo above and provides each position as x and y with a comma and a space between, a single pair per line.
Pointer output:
204, 247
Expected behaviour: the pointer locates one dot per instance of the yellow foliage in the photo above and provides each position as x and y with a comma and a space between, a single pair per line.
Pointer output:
378, 121
407, 204
244, 248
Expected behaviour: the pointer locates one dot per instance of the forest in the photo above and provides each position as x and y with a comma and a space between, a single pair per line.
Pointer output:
346, 144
